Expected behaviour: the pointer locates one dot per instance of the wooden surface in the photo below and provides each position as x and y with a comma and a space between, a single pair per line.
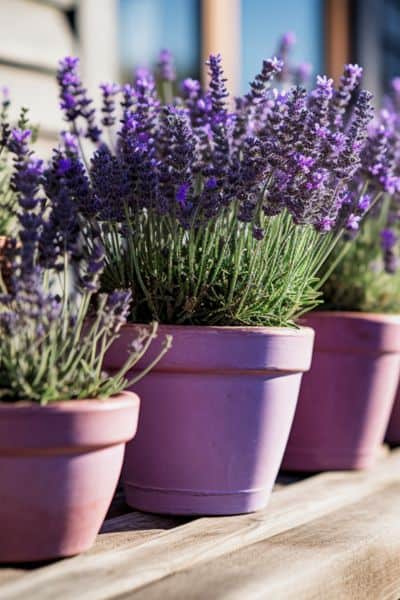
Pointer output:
330, 536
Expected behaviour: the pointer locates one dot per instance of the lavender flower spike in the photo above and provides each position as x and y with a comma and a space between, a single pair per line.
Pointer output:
166, 66
109, 91
218, 91
74, 101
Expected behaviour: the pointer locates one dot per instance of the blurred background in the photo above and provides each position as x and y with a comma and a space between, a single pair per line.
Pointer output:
112, 37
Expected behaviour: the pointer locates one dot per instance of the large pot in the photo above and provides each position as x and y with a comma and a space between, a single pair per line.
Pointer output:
59, 467
346, 398
215, 417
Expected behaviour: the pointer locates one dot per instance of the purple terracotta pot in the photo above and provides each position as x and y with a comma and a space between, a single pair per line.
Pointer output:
215, 417
393, 430
346, 398
59, 467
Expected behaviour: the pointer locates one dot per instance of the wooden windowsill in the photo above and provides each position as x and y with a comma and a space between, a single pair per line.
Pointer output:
329, 536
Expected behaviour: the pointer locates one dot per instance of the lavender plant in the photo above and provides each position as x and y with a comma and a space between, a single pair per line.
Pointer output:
8, 202
7, 197
367, 279
50, 351
208, 214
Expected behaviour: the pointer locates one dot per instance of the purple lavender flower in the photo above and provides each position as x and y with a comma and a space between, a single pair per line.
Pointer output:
19, 141
178, 146
166, 66
67, 185
182, 194
302, 73
95, 264
74, 101
348, 83
117, 310
25, 182
364, 203
218, 91
109, 91
287, 41
270, 69
388, 239
325, 224
353, 222
111, 184
190, 86
396, 85
70, 142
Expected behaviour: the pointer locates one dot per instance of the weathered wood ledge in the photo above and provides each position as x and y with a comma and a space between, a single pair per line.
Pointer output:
330, 536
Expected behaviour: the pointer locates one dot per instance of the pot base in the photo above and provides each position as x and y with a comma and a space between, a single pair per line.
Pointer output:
312, 461
190, 502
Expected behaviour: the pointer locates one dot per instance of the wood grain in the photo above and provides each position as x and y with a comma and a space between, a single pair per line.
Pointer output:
351, 554
116, 571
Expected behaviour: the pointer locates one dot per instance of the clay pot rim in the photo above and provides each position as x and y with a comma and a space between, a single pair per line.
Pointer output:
300, 331
85, 405
391, 318
198, 349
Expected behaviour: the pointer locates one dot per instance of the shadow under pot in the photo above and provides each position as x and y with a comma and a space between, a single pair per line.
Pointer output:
393, 430
215, 417
347, 397
59, 467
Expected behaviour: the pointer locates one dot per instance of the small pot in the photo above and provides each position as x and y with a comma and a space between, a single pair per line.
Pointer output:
59, 467
215, 416
346, 398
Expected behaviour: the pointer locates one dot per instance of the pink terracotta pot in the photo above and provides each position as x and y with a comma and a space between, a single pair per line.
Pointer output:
215, 417
346, 398
59, 467
393, 430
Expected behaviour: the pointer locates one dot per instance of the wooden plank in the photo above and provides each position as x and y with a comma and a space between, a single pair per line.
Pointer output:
104, 575
125, 531
132, 529
33, 34
353, 554
37, 91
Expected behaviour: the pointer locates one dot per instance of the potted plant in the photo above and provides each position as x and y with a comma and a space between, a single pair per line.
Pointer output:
219, 222
64, 422
346, 399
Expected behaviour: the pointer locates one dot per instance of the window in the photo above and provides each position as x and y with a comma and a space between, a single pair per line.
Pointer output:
263, 23
147, 26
